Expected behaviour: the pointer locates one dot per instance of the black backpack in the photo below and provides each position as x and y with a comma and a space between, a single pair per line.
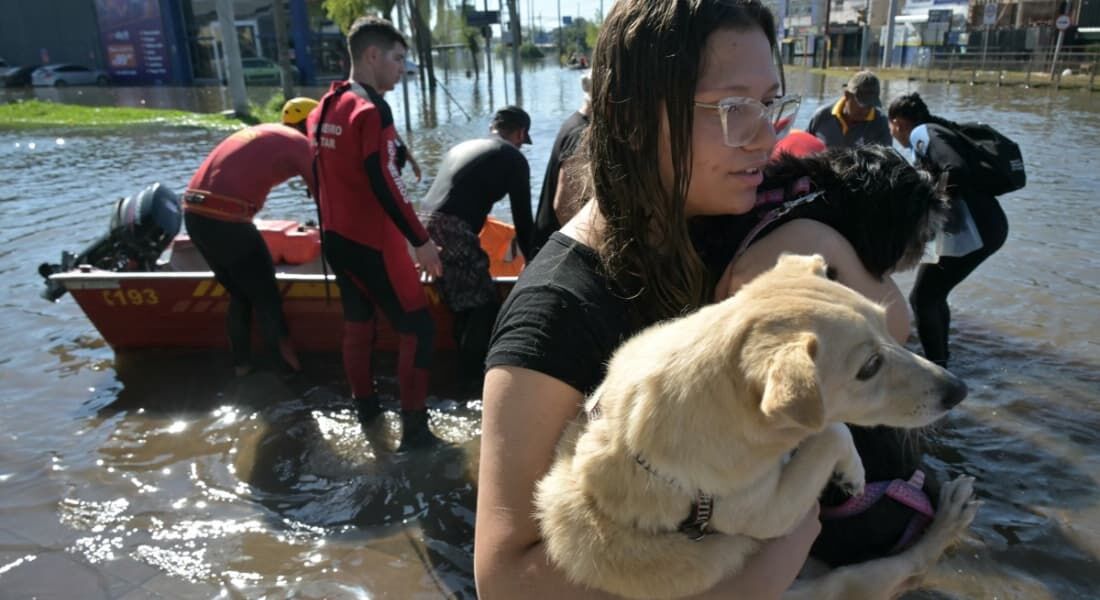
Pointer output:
996, 163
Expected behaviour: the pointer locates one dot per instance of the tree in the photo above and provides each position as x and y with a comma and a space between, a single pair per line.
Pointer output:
345, 12
278, 13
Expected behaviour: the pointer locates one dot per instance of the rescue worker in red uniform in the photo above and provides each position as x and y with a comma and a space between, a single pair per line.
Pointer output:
223, 196
367, 220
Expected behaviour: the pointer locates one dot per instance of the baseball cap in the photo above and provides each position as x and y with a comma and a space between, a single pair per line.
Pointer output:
511, 118
866, 88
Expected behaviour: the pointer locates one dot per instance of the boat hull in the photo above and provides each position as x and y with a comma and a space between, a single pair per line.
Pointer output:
187, 310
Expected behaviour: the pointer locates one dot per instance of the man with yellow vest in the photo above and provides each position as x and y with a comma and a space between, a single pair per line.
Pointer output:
856, 119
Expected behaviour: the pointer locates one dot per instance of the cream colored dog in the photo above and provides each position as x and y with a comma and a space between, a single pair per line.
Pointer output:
713, 404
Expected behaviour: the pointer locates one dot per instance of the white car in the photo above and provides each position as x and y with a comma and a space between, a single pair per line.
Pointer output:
63, 74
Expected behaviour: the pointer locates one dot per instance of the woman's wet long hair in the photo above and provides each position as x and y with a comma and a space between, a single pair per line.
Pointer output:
649, 58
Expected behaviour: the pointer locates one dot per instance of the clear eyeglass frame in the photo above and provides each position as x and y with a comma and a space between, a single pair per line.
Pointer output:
749, 114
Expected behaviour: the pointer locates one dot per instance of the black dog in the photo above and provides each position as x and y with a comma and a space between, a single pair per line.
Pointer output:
887, 210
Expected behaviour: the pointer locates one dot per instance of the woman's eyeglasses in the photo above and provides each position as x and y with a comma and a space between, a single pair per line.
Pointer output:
742, 117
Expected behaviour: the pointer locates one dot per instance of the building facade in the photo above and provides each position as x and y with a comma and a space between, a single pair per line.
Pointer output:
173, 42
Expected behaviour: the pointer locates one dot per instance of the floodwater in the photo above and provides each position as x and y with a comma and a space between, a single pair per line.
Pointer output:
150, 475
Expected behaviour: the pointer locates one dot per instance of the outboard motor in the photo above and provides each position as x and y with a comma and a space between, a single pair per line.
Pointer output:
142, 226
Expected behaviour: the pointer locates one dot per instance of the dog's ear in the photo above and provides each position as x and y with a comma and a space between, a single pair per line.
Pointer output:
813, 264
792, 392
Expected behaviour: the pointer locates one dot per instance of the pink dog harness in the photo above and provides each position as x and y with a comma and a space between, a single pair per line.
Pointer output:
910, 493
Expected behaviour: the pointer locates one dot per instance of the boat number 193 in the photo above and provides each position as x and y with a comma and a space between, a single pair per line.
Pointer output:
130, 297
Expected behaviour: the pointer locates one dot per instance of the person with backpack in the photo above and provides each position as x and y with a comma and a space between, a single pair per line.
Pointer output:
977, 225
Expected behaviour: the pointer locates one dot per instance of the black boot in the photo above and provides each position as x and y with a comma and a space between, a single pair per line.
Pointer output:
415, 433
367, 409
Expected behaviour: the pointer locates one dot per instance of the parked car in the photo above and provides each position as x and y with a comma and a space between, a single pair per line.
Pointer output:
62, 74
411, 68
13, 76
264, 71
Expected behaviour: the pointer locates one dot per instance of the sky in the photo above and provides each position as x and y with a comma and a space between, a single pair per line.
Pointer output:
549, 9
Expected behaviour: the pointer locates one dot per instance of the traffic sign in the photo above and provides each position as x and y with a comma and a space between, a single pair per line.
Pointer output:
990, 15
477, 18
1062, 23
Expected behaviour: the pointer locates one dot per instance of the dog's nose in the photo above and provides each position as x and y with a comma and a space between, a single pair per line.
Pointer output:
954, 391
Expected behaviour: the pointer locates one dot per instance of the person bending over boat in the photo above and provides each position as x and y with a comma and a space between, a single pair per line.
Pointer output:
366, 219
475, 175
221, 199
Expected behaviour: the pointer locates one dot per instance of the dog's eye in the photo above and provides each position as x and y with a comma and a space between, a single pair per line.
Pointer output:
870, 367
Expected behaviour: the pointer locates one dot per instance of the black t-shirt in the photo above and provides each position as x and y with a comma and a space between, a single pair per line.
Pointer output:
475, 175
563, 318
569, 136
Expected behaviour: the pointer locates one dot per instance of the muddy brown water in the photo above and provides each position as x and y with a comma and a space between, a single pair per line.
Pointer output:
156, 474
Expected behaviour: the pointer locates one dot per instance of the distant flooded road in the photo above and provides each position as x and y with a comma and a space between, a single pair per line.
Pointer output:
156, 474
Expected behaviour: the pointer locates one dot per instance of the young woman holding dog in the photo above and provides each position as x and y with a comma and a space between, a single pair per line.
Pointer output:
935, 281
689, 87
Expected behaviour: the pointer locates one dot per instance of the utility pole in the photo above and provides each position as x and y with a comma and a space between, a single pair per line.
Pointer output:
888, 43
865, 46
828, 45
226, 22
278, 15
561, 34
405, 77
517, 37
487, 31
781, 27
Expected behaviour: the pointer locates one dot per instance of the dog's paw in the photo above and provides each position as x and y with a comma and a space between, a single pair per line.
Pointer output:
957, 509
958, 505
849, 475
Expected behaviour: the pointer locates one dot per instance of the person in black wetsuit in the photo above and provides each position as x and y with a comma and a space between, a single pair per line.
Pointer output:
559, 199
475, 175
943, 152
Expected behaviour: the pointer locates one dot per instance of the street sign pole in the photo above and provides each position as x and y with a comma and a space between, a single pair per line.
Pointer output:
561, 36
888, 43
865, 35
989, 19
1062, 23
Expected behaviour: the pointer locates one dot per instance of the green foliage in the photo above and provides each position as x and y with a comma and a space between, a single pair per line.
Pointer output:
579, 36
591, 34
37, 113
272, 110
344, 12
530, 51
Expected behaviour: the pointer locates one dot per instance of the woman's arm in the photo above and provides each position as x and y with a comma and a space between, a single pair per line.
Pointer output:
523, 415
805, 236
